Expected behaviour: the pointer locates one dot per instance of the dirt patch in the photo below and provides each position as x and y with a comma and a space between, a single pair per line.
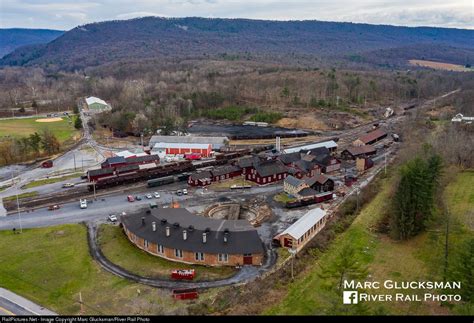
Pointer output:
303, 122
440, 65
49, 120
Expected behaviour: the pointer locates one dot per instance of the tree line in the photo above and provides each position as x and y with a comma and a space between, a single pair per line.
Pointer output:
14, 150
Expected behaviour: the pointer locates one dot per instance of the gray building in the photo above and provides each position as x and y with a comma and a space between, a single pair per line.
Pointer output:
216, 142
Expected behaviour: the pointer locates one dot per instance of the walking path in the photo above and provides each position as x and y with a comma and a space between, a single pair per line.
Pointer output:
245, 275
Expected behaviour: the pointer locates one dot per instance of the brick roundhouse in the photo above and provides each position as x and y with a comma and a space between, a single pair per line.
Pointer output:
178, 235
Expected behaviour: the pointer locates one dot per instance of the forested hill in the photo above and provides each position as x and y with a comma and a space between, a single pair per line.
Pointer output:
11, 39
152, 37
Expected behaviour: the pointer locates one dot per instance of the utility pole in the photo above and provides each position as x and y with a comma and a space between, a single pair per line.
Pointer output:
385, 163
93, 184
17, 203
293, 254
357, 193
74, 154
80, 301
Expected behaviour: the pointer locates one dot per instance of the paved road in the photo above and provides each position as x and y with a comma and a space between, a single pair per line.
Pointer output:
13, 304
117, 203
244, 275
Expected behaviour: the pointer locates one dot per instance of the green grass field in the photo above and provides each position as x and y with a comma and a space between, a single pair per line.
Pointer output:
118, 249
46, 181
24, 127
20, 196
51, 266
417, 259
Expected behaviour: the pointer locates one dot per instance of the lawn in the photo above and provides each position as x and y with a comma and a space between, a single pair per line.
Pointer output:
46, 181
417, 259
27, 126
283, 198
51, 266
227, 183
20, 196
118, 249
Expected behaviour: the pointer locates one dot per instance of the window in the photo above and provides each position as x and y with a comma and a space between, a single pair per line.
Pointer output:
178, 253
146, 244
264, 180
199, 256
223, 257
160, 249
279, 176
247, 254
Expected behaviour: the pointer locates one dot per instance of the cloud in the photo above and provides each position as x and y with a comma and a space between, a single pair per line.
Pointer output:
66, 14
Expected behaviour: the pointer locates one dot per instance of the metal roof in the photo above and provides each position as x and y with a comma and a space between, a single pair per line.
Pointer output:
92, 99
373, 135
328, 144
293, 181
165, 145
216, 142
300, 227
241, 236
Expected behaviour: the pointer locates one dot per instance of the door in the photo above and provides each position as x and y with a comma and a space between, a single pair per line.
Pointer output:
248, 259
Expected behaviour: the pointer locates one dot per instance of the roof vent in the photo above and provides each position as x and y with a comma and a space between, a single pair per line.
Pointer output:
176, 225
191, 228
226, 237
153, 225
163, 221
143, 220
185, 235
167, 231
204, 237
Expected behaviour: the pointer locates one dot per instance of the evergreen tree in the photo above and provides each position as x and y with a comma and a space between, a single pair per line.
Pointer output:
78, 123
34, 142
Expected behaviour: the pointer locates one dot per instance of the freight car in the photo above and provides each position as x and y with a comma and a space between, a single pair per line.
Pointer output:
142, 174
160, 181
316, 199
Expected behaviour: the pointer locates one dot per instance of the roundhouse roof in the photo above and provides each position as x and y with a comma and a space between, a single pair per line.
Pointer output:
241, 236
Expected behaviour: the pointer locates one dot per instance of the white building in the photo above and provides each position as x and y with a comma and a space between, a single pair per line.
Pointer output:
331, 145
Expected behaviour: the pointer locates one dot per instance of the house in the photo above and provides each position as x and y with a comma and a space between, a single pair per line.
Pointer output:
178, 235
370, 138
289, 159
266, 172
97, 105
302, 231
331, 145
225, 172
293, 185
328, 163
358, 151
162, 148
246, 163
202, 178
309, 168
364, 163
112, 162
216, 142
320, 183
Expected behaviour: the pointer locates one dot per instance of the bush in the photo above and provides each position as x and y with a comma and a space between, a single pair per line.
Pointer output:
269, 117
231, 112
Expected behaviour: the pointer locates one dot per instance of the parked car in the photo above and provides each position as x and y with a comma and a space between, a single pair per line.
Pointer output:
54, 207
157, 195
112, 218
149, 196
83, 203
138, 198
153, 205
185, 191
130, 198
66, 185
47, 164
179, 192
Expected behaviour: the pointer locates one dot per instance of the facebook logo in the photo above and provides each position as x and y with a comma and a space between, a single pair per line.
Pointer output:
350, 297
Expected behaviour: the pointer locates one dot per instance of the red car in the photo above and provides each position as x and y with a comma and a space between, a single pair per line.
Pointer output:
47, 164
183, 274
130, 198
54, 207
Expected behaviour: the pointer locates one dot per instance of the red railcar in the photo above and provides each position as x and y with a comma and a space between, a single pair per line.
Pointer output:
323, 197
187, 274
185, 294
47, 164
192, 156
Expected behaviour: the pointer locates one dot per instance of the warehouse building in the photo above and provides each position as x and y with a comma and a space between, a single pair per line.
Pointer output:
178, 235
359, 151
370, 138
166, 148
216, 143
303, 230
331, 145
97, 105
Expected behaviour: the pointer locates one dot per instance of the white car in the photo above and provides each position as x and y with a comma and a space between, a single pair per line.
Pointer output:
149, 196
83, 203
185, 191
112, 218
66, 185
157, 195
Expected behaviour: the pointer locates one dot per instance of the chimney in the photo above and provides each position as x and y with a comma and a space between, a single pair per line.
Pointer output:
185, 234
153, 225
167, 231
143, 220
226, 237
204, 237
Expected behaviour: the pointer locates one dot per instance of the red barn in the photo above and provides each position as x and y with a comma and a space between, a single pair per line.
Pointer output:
267, 172
183, 148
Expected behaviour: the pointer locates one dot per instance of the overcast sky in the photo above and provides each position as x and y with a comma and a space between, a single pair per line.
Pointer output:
67, 14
